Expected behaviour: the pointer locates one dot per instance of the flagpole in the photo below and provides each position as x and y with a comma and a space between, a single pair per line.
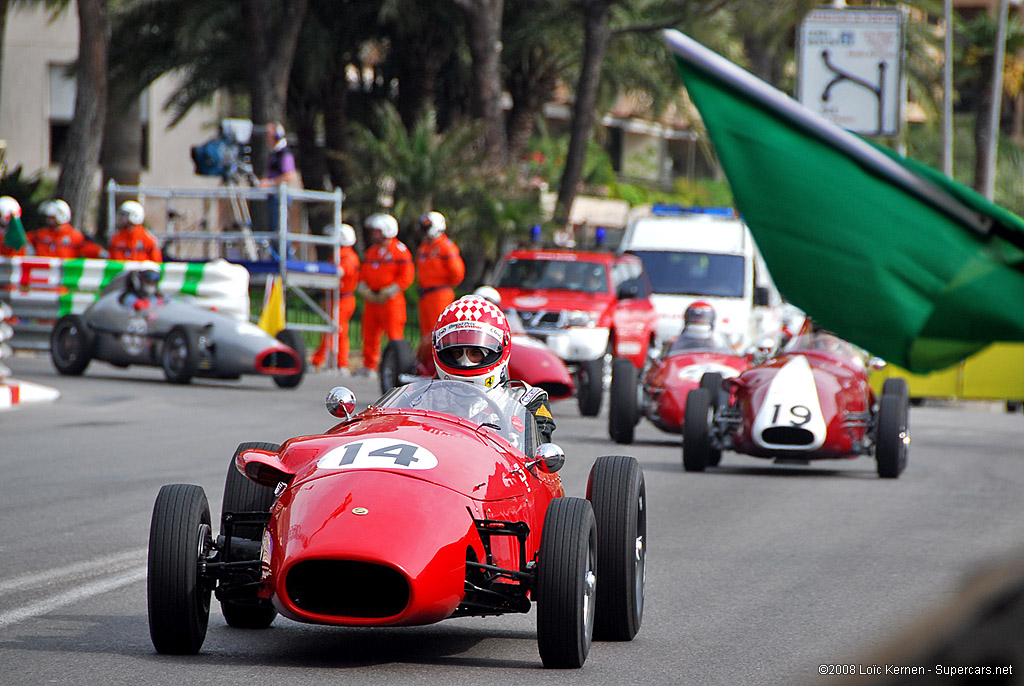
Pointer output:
947, 93
997, 98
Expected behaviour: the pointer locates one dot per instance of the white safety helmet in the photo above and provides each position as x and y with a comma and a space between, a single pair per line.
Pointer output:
134, 212
346, 234
489, 293
58, 210
385, 223
433, 224
9, 207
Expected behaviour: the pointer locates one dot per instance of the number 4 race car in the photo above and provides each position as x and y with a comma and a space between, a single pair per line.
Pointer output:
660, 394
812, 401
330, 529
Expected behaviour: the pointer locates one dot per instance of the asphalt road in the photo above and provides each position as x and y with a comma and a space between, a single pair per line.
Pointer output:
757, 573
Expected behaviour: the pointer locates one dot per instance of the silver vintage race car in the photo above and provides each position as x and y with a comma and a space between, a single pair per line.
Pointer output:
133, 323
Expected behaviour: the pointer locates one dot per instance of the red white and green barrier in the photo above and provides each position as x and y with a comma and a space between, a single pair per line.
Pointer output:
40, 290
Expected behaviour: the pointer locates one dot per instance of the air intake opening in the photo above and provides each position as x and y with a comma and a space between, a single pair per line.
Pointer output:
347, 588
787, 435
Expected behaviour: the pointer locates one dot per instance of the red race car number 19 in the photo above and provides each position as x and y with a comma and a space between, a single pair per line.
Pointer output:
378, 453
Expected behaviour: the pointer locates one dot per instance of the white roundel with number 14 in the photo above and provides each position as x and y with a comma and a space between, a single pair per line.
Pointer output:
791, 402
378, 453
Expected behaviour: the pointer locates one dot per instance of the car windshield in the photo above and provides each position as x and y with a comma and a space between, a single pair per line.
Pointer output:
822, 341
586, 277
496, 407
693, 273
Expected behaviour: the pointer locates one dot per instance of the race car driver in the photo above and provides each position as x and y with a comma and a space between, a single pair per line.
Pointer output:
699, 329
472, 342
439, 268
387, 270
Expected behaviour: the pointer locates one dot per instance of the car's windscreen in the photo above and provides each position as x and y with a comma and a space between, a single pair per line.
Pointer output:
586, 277
822, 341
495, 407
693, 273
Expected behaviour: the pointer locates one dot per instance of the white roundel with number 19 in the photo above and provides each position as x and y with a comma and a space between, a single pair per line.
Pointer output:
378, 453
791, 402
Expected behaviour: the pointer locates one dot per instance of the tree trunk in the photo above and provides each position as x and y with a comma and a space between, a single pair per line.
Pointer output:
530, 88
4, 4
121, 151
82, 154
336, 130
982, 145
595, 41
272, 38
483, 33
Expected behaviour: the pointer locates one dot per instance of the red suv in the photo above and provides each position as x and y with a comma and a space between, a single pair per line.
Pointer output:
587, 307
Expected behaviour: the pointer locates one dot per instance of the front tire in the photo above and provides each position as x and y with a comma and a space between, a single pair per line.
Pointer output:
178, 595
590, 387
244, 495
180, 355
70, 345
697, 450
892, 435
397, 359
617, 491
566, 583
623, 408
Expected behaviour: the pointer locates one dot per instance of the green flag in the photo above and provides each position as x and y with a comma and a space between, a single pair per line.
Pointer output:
886, 252
14, 237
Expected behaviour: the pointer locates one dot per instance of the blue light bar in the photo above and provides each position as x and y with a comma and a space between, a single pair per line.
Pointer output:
679, 210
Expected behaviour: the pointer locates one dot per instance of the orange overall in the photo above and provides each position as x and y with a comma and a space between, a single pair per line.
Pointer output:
439, 268
64, 241
348, 268
388, 263
135, 243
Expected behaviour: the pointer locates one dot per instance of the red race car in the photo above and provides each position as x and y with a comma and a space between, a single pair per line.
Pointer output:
435, 502
661, 394
531, 361
812, 401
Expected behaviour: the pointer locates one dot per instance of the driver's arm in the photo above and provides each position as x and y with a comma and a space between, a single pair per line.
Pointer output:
536, 401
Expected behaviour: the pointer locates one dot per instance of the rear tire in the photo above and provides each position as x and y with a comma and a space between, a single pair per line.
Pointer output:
617, 491
566, 583
623, 407
590, 386
178, 596
244, 495
180, 355
71, 345
397, 359
295, 341
697, 451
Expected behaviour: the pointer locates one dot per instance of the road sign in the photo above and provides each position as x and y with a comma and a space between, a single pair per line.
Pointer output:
851, 68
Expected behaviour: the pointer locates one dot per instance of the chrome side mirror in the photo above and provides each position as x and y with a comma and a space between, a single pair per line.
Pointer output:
341, 402
549, 456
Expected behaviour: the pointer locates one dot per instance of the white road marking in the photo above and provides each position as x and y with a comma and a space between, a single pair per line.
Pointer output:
125, 565
74, 571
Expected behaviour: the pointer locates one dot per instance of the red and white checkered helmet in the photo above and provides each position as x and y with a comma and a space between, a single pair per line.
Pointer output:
472, 321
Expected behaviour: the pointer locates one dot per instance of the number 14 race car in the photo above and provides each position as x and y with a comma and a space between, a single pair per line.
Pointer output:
331, 529
812, 401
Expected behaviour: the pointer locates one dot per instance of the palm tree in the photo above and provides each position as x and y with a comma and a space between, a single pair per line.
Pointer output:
82, 151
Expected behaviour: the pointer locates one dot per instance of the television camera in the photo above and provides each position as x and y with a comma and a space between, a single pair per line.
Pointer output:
229, 155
